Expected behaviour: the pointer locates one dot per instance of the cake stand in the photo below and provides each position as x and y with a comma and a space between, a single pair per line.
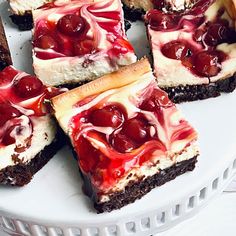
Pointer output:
53, 203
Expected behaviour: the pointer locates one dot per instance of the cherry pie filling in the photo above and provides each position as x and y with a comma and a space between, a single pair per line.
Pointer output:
22, 96
109, 144
74, 35
203, 60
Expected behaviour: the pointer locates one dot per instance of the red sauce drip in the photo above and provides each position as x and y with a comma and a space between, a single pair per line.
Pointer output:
130, 144
68, 37
204, 60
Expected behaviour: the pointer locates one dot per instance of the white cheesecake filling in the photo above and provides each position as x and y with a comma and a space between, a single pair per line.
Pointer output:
69, 70
44, 131
149, 169
179, 74
20, 7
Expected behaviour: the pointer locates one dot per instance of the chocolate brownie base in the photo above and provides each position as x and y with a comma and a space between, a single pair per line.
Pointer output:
5, 56
136, 190
133, 14
199, 92
21, 174
24, 22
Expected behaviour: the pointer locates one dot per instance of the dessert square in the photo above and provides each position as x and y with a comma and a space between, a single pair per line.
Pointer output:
5, 55
77, 41
29, 136
194, 51
128, 137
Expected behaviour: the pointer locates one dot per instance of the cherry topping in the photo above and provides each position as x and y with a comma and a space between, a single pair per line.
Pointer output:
161, 21
28, 86
175, 50
216, 33
7, 112
70, 24
207, 63
47, 42
84, 47
109, 116
157, 99
136, 129
122, 143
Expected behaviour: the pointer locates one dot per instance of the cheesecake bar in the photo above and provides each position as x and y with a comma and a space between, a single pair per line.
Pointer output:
77, 41
128, 137
29, 136
194, 51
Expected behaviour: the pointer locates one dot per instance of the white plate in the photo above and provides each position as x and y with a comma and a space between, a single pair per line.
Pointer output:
54, 198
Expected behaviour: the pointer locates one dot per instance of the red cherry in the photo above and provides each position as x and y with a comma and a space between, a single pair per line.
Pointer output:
207, 63
47, 42
7, 112
216, 33
70, 24
84, 47
175, 50
161, 21
136, 130
109, 116
157, 99
28, 86
122, 144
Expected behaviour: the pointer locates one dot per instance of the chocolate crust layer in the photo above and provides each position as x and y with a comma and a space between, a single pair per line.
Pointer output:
5, 56
136, 190
199, 92
24, 22
133, 14
21, 174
